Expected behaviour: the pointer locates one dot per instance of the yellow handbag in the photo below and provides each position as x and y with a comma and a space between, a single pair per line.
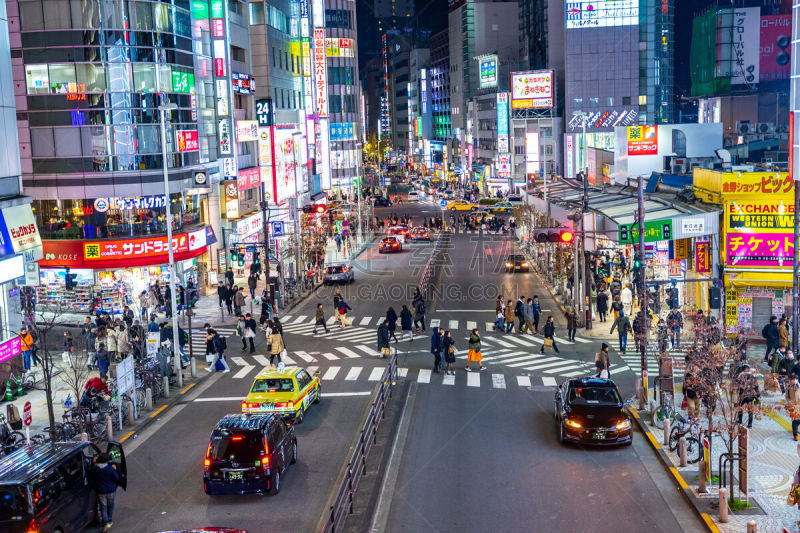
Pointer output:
548, 342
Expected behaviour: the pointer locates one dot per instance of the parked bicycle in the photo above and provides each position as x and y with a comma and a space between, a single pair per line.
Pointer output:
10, 440
690, 429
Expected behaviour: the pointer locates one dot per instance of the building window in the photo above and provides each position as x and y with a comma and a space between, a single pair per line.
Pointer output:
610, 101
594, 102
577, 103
626, 100
642, 99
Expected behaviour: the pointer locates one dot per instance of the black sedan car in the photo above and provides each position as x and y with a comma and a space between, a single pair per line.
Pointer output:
517, 263
591, 411
380, 201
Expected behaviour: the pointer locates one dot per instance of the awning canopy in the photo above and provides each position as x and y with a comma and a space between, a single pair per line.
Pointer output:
778, 280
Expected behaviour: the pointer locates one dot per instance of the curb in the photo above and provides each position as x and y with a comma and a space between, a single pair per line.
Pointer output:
681, 484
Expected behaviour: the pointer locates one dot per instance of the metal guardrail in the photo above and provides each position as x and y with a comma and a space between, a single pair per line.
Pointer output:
342, 505
429, 267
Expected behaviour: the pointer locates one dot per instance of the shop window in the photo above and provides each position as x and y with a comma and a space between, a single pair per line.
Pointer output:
56, 15
42, 143
94, 141
91, 77
165, 72
149, 141
144, 77
31, 15
37, 79
183, 24
67, 143
61, 76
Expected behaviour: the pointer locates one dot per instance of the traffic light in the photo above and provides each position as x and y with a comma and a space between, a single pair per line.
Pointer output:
234, 255
317, 209
714, 298
637, 263
554, 235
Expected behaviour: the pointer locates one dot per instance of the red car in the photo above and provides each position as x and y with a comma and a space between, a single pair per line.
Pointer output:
420, 234
390, 244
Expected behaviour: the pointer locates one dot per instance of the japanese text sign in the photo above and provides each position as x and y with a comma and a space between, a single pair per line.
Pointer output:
756, 183
654, 230
702, 260
642, 140
149, 247
321, 73
749, 215
187, 140
10, 348
759, 249
531, 90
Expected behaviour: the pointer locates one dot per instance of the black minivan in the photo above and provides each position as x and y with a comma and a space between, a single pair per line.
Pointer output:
248, 454
45, 488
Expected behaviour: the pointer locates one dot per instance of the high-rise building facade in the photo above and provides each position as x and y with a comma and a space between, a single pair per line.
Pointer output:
439, 76
89, 77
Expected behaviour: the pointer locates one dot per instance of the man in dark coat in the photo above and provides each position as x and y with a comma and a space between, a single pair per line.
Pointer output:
772, 335
436, 349
383, 337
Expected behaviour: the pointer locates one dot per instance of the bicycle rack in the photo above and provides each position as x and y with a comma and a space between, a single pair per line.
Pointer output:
724, 460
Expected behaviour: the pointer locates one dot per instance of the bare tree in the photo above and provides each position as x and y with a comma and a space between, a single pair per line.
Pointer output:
727, 389
44, 330
75, 376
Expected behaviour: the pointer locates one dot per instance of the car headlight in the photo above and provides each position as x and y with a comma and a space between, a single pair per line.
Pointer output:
509, 265
625, 424
573, 424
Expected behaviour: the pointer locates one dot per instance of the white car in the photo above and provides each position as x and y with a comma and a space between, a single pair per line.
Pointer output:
413, 196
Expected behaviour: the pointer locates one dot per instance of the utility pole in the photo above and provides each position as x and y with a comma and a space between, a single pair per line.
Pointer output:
642, 291
587, 277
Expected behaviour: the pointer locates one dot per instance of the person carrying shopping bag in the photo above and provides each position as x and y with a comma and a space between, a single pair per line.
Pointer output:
549, 335
277, 347
449, 348
343, 309
474, 354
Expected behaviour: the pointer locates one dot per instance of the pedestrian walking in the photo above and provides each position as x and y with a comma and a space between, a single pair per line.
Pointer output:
123, 342
449, 349
572, 323
500, 319
26, 344
319, 319
229, 278
518, 313
276, 347
391, 317
674, 324
603, 357
102, 359
229, 300
406, 320
238, 300
527, 315
266, 308
436, 349
143, 300
748, 395
419, 315
104, 480
250, 327
772, 335
626, 296
549, 335
337, 301
616, 307
509, 316
383, 339
602, 303
783, 333
537, 310
240, 331
215, 347
474, 354
221, 291
251, 284
343, 309
88, 334
793, 404
623, 326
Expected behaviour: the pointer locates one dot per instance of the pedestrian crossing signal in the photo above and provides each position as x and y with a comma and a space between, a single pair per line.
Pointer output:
554, 235
566, 236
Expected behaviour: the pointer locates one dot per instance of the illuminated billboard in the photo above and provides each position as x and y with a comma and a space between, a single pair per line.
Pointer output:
285, 161
502, 123
601, 13
642, 140
532, 90
487, 71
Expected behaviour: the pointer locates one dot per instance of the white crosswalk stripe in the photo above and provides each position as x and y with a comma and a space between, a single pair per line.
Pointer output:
424, 376
524, 341
490, 326
300, 319
548, 381
473, 379
377, 372
305, 357
365, 320
501, 342
287, 360
537, 359
312, 369
453, 324
448, 379
402, 372
560, 364
524, 381
329, 356
434, 323
261, 360
471, 325
498, 381
352, 375
330, 373
286, 319
559, 340
582, 341
569, 366
348, 352
243, 372
369, 350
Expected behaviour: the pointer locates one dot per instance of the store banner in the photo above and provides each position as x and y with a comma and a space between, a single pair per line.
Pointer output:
702, 258
250, 225
759, 214
248, 178
778, 185
10, 348
654, 231
19, 233
759, 249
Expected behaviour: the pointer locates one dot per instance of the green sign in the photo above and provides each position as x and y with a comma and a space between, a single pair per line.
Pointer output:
199, 9
182, 82
654, 230
217, 9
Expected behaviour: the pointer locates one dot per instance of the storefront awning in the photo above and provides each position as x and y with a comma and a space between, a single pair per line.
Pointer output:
777, 280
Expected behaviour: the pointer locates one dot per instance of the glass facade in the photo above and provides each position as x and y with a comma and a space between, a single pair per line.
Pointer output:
656, 71
93, 70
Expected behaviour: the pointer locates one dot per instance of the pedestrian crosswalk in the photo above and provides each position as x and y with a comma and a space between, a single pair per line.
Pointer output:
364, 329
633, 360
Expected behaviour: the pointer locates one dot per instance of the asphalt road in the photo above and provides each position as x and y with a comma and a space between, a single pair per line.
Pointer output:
481, 450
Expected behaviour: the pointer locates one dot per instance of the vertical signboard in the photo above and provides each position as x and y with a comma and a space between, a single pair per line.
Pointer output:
224, 89
532, 152
320, 73
502, 123
487, 71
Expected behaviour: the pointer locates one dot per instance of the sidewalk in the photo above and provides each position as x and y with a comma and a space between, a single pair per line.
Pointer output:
773, 459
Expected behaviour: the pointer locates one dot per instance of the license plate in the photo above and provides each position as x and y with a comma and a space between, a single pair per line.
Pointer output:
598, 435
234, 476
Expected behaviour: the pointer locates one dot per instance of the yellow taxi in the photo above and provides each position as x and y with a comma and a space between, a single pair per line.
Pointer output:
461, 205
285, 390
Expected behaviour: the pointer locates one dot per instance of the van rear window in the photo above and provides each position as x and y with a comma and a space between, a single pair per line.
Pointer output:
13, 505
236, 445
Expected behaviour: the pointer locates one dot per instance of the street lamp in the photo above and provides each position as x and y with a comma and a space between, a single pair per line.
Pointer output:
170, 106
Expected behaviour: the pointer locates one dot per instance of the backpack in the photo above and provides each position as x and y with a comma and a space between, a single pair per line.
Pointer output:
421, 307
764, 331
223, 343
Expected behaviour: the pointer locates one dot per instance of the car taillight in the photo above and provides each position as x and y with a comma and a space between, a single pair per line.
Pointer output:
206, 464
284, 404
265, 462
249, 405
33, 527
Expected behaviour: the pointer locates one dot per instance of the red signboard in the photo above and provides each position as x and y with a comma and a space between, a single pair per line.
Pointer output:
27, 418
642, 140
187, 140
219, 66
775, 50
10, 348
218, 27
249, 178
